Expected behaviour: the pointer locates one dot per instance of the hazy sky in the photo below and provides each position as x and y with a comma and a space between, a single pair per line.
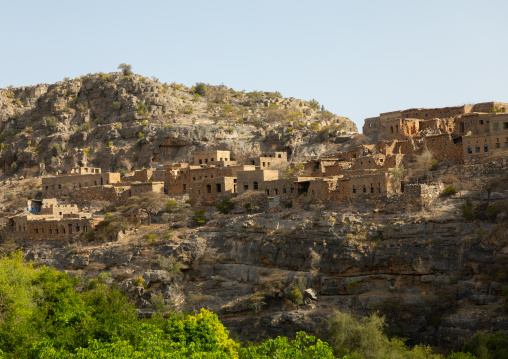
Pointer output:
357, 58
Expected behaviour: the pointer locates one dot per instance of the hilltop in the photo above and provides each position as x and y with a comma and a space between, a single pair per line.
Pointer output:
120, 122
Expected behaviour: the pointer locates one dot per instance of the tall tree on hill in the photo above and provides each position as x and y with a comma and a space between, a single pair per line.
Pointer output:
498, 183
126, 69
149, 203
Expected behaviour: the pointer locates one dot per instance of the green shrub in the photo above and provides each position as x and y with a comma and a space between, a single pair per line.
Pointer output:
139, 281
450, 190
90, 236
227, 108
51, 123
364, 338
116, 105
288, 204
151, 239
142, 108
296, 296
187, 109
468, 211
488, 345
273, 95
56, 150
171, 265
313, 104
171, 205
352, 287
199, 218
493, 209
434, 165
254, 94
84, 127
225, 206
200, 89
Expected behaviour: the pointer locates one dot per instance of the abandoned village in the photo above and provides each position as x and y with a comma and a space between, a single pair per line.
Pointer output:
461, 137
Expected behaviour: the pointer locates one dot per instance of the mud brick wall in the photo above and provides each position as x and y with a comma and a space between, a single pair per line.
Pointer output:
444, 149
53, 229
210, 190
94, 193
429, 113
422, 194
489, 106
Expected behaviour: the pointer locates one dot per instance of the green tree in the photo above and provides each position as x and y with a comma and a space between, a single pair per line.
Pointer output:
199, 218
126, 69
149, 203
200, 89
225, 206
365, 338
171, 205
488, 345
303, 346
468, 211
51, 123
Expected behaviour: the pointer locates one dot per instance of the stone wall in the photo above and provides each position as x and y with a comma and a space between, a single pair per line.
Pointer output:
429, 113
210, 190
422, 194
95, 193
211, 157
137, 189
444, 149
251, 180
489, 106
50, 229
63, 185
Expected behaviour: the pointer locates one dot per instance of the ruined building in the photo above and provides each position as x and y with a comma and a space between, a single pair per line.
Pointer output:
62, 184
49, 220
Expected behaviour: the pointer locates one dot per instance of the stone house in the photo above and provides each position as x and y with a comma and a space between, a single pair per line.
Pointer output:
137, 189
64, 183
49, 220
491, 136
209, 191
213, 158
271, 159
179, 181
251, 180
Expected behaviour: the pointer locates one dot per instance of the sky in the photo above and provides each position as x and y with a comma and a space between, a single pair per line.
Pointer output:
357, 58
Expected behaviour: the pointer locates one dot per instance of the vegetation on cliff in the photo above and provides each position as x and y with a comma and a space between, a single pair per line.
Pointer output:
43, 316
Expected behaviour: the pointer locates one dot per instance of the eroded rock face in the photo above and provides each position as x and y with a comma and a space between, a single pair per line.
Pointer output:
421, 272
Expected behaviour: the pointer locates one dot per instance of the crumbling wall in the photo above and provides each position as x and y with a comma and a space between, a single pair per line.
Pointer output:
95, 193
444, 149
209, 191
422, 194
45, 229
63, 185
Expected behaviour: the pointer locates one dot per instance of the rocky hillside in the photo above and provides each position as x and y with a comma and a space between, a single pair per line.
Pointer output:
119, 122
437, 277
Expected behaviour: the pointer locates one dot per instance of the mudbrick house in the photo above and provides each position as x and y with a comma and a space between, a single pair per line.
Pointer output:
62, 184
49, 220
